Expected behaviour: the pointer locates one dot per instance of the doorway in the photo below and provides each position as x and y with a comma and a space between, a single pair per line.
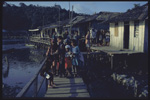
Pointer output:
126, 35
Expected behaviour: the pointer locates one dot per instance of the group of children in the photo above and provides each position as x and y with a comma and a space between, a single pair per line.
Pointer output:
62, 59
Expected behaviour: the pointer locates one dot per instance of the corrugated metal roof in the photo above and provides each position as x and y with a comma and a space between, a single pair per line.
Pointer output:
77, 19
103, 16
90, 18
138, 13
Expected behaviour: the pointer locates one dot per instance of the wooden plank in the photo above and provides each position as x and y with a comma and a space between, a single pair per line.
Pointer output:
112, 50
67, 90
58, 83
71, 86
72, 80
69, 95
65, 84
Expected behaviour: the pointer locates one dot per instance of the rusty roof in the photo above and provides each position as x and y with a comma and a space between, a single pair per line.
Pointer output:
138, 13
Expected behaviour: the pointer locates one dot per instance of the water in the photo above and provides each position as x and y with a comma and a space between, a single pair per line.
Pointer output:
23, 61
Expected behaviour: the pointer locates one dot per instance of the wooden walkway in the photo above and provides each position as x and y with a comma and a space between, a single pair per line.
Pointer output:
112, 50
68, 87
40, 40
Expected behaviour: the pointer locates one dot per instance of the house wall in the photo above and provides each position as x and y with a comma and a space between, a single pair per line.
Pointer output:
116, 41
137, 43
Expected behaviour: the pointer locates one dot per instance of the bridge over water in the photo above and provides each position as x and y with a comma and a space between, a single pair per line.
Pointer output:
101, 59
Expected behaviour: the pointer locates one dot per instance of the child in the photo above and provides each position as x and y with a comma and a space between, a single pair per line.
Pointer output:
68, 62
87, 41
47, 72
75, 58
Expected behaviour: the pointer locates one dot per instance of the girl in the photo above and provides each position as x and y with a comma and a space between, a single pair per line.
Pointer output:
68, 62
50, 63
50, 51
75, 58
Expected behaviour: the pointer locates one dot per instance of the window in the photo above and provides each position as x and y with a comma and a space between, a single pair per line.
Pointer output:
116, 29
136, 28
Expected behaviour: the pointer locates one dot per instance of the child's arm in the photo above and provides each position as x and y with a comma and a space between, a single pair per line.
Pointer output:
47, 51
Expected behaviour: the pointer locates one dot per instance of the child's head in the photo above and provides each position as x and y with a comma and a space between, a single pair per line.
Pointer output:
73, 42
67, 47
59, 39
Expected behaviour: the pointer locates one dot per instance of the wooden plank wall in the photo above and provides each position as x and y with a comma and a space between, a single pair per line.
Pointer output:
135, 43
117, 41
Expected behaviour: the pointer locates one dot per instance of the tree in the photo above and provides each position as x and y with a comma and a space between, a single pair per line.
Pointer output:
22, 5
136, 5
25, 17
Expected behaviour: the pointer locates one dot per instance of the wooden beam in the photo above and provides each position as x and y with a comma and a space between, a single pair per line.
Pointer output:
112, 61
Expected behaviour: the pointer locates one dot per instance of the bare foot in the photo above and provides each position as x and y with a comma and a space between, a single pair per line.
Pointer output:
50, 86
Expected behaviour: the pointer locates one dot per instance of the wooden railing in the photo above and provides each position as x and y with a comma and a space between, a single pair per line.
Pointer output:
45, 40
95, 58
34, 81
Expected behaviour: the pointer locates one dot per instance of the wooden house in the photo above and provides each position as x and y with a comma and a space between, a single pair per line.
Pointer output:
57, 27
102, 17
88, 22
130, 30
74, 24
95, 21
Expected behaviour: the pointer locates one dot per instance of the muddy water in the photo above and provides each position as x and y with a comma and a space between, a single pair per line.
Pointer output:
24, 62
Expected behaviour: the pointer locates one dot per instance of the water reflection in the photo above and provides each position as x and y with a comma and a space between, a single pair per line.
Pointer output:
10, 91
5, 74
6, 67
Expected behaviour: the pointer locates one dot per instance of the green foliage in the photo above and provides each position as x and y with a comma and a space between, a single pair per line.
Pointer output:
24, 17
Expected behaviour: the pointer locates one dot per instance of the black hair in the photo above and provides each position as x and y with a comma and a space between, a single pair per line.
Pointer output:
60, 37
74, 42
76, 31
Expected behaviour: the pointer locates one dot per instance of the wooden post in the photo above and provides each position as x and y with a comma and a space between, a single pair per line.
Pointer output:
112, 62
46, 83
35, 86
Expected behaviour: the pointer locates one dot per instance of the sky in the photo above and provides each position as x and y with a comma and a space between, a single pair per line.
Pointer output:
87, 7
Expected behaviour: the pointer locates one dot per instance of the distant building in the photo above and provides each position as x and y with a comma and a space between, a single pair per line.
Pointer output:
130, 29
80, 24
74, 24
46, 31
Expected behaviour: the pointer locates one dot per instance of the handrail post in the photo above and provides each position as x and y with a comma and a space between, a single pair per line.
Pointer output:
35, 86
112, 61
46, 84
